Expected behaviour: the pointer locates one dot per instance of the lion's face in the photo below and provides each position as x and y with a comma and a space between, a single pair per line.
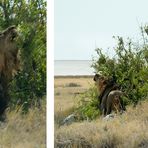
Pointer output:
9, 59
100, 82
8, 39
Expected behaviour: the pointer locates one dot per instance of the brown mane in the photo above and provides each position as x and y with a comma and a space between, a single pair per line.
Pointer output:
105, 86
101, 83
9, 63
9, 53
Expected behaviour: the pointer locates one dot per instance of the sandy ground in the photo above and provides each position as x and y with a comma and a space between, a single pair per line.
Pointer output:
66, 90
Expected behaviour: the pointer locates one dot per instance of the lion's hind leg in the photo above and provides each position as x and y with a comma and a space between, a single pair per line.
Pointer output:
116, 104
113, 101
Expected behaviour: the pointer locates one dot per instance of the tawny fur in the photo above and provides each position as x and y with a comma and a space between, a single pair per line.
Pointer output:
9, 63
9, 53
113, 101
109, 95
101, 83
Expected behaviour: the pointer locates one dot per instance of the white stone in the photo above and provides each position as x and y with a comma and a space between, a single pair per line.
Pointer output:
68, 120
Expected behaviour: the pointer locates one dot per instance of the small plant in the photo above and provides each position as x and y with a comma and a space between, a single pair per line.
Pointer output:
73, 85
57, 93
87, 106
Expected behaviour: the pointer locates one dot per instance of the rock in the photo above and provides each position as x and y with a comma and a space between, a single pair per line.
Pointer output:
109, 117
68, 120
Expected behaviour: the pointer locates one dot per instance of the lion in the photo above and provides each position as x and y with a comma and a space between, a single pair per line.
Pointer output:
114, 102
9, 52
9, 63
108, 102
101, 82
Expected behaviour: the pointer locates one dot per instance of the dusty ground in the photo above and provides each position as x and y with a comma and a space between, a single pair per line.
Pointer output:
66, 91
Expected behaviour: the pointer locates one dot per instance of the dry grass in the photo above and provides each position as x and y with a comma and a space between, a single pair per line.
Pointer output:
128, 130
24, 131
124, 131
65, 96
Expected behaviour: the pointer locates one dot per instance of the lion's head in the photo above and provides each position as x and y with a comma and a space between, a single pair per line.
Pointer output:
9, 58
101, 82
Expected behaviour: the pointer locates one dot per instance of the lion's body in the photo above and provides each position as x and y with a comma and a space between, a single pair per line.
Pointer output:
109, 95
9, 63
113, 101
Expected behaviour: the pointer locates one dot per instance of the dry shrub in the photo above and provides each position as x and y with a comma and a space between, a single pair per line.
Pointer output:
73, 85
61, 114
127, 130
20, 131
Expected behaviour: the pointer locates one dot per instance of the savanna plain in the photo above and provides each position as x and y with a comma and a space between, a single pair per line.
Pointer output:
129, 130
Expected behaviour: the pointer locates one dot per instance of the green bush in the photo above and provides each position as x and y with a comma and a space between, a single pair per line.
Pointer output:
87, 105
28, 88
130, 68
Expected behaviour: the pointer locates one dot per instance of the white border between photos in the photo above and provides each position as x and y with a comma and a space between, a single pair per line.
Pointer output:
50, 75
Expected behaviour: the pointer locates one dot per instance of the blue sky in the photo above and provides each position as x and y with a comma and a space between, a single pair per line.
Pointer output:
80, 26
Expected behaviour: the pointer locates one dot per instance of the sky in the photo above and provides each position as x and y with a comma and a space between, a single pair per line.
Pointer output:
80, 26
